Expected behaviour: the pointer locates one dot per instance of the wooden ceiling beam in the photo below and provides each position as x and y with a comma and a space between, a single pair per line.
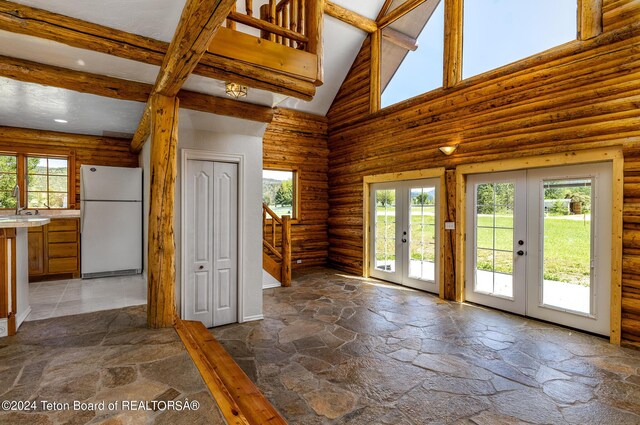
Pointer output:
74, 32
399, 12
351, 18
400, 39
384, 9
198, 25
369, 26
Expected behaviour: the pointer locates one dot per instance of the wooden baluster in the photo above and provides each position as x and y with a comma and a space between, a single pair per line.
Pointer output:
272, 17
264, 220
249, 7
314, 22
285, 22
231, 24
279, 23
294, 20
286, 250
264, 16
302, 29
273, 232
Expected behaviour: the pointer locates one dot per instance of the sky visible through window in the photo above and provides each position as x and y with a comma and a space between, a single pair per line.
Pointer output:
496, 33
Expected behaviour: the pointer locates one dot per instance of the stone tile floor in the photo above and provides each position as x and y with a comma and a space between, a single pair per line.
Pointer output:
104, 356
337, 349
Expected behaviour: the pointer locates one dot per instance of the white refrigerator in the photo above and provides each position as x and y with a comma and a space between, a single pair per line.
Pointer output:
110, 221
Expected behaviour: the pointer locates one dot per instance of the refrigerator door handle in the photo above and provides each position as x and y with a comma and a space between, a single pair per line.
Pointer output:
81, 217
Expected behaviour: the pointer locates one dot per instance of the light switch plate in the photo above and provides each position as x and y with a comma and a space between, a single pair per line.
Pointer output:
449, 225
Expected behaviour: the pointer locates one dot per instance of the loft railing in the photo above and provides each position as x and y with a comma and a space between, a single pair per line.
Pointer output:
285, 22
277, 245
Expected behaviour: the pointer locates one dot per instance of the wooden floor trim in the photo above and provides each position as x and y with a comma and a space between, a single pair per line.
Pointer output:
240, 401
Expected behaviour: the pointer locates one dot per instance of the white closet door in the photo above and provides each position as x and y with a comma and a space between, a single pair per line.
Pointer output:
225, 240
211, 248
198, 215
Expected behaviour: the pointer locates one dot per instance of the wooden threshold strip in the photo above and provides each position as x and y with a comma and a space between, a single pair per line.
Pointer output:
240, 401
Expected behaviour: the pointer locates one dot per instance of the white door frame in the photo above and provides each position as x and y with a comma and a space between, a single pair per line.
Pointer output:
517, 303
613, 153
205, 155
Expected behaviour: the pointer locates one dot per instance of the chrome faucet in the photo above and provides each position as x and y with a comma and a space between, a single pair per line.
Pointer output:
16, 194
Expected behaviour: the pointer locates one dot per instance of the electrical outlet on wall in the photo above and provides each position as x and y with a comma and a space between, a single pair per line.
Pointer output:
299, 261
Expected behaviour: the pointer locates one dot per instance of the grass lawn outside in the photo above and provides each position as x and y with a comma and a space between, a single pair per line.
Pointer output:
567, 239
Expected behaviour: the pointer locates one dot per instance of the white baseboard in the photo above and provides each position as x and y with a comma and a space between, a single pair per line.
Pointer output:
22, 316
271, 285
253, 318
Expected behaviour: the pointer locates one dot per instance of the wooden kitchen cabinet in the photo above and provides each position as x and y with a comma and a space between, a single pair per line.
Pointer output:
54, 250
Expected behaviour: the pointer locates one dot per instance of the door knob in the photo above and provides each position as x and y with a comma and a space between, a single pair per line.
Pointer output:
521, 242
521, 252
201, 267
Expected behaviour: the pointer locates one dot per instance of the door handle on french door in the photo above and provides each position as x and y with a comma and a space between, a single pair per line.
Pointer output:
201, 267
404, 240
521, 252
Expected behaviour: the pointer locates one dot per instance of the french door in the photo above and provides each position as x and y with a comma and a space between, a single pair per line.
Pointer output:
404, 233
538, 243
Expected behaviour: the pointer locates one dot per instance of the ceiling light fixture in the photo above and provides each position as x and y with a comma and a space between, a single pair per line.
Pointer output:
236, 90
448, 150
61, 121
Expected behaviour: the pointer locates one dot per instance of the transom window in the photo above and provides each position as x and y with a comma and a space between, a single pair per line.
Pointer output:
494, 33
499, 32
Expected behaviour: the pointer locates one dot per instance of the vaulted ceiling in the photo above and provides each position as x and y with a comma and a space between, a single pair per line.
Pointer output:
35, 106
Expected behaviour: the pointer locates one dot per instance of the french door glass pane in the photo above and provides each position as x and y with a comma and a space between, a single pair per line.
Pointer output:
385, 244
422, 233
494, 238
567, 249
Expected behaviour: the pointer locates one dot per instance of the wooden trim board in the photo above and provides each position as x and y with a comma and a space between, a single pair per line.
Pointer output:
247, 48
568, 158
240, 401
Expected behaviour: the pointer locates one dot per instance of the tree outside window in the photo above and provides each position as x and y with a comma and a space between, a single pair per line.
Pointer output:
279, 191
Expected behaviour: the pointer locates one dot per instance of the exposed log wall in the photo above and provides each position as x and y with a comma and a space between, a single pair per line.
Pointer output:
91, 150
578, 96
619, 13
295, 139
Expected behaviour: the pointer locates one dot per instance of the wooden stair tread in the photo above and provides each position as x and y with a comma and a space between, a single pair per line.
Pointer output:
240, 401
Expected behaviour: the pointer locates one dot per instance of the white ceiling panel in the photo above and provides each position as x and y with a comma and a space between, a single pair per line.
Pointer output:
34, 106
58, 54
152, 18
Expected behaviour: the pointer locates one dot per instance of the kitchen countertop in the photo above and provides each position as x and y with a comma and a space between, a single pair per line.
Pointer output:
43, 213
22, 221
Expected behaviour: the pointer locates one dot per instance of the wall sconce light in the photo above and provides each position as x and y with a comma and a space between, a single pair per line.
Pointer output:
236, 90
448, 150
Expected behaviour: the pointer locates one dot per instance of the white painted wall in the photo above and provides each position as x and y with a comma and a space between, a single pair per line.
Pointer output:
23, 307
226, 135
144, 160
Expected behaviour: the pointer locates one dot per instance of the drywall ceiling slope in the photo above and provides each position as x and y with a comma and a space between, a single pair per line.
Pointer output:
151, 18
35, 106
